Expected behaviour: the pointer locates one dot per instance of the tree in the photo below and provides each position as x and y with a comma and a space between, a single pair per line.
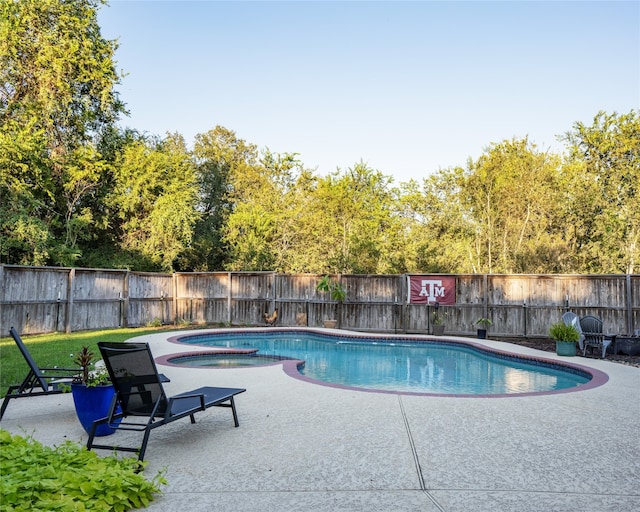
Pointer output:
57, 79
605, 192
24, 237
57, 71
513, 199
350, 222
220, 156
155, 197
439, 233
262, 228
286, 198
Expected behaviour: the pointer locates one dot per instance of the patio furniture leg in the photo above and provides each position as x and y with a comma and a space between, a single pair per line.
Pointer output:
235, 416
5, 402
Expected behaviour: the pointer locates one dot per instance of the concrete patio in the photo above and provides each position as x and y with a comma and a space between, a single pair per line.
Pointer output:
302, 446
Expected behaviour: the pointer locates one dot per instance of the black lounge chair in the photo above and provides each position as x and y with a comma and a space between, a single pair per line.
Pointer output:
39, 381
139, 393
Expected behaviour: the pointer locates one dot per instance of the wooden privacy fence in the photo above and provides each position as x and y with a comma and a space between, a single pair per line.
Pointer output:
48, 299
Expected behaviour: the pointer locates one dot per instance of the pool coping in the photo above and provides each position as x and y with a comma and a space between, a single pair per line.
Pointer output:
291, 366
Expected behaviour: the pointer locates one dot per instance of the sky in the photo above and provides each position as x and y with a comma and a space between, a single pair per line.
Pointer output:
405, 87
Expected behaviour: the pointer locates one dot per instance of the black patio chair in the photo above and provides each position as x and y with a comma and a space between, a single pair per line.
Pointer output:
139, 394
594, 337
39, 381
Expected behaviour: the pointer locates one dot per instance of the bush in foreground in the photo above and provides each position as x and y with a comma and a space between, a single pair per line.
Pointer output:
69, 477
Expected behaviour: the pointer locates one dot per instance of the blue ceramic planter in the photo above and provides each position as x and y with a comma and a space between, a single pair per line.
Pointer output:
93, 404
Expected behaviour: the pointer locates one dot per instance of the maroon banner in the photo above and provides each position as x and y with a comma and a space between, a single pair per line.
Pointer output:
432, 289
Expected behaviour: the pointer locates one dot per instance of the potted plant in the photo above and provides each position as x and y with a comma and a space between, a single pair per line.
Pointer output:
437, 320
92, 392
482, 331
566, 337
336, 293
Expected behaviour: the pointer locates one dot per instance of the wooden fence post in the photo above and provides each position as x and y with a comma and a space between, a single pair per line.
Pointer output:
125, 300
70, 282
403, 301
174, 300
273, 292
3, 289
229, 294
485, 296
629, 298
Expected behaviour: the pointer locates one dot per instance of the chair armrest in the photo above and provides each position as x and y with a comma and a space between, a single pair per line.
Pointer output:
61, 369
182, 397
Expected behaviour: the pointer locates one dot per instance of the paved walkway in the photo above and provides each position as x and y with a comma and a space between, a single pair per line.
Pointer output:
302, 446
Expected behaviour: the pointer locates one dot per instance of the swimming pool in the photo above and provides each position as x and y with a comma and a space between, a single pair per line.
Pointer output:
408, 365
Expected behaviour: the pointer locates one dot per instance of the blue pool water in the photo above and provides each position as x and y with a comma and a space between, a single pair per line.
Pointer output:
402, 365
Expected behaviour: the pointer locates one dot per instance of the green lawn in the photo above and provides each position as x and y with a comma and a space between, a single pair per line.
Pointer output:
56, 349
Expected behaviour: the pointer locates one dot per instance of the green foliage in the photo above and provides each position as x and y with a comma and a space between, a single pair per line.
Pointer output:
157, 206
217, 153
605, 188
484, 322
58, 78
350, 223
155, 197
69, 477
90, 376
440, 232
263, 229
512, 198
156, 322
77, 190
25, 237
334, 288
437, 318
439, 314
561, 332
57, 68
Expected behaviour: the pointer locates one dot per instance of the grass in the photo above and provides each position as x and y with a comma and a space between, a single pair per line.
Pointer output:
57, 349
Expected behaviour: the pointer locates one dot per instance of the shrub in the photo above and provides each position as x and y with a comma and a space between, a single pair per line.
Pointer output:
69, 477
561, 332
335, 289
